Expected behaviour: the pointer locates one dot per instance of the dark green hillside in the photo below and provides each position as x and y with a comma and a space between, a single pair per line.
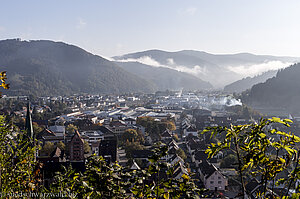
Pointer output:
247, 83
282, 91
56, 68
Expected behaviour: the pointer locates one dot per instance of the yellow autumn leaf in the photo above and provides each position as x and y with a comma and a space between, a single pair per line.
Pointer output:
186, 177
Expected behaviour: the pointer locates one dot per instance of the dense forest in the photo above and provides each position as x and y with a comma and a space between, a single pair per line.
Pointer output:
248, 82
45, 68
281, 91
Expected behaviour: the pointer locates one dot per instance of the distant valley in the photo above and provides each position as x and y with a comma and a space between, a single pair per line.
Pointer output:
165, 78
219, 70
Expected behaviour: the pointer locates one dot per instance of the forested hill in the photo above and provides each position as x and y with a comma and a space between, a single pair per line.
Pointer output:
46, 68
247, 83
165, 78
281, 91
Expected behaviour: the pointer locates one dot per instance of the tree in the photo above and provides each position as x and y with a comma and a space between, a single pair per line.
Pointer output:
35, 114
101, 180
131, 146
175, 137
3, 79
48, 148
170, 125
181, 153
19, 172
229, 161
261, 151
71, 128
86, 147
36, 128
132, 136
61, 145
148, 183
155, 128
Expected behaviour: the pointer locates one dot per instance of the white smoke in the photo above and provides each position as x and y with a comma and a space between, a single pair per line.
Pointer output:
170, 61
143, 60
233, 102
196, 70
226, 101
257, 69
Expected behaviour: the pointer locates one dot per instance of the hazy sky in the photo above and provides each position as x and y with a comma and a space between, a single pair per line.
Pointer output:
111, 27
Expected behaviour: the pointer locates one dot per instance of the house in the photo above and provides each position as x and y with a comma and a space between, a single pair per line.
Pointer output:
93, 136
56, 156
58, 130
130, 121
108, 149
143, 156
166, 135
172, 148
47, 135
199, 156
92, 118
148, 140
211, 177
195, 144
190, 130
76, 147
253, 188
118, 127
175, 159
179, 170
135, 166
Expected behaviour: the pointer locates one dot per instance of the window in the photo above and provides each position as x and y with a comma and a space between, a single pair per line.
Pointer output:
219, 182
211, 182
219, 177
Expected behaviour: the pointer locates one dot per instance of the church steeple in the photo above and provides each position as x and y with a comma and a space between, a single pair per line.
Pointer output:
28, 123
29, 130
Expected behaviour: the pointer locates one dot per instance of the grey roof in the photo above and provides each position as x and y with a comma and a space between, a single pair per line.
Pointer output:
201, 155
141, 153
207, 169
105, 130
252, 185
166, 133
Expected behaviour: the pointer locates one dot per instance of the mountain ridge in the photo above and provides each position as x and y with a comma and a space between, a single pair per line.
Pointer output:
44, 67
220, 69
